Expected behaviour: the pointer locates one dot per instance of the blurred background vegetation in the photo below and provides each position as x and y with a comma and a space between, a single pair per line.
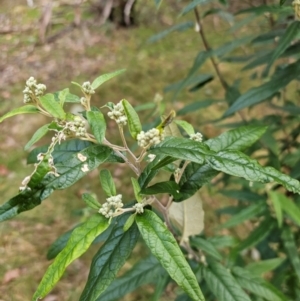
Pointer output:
62, 41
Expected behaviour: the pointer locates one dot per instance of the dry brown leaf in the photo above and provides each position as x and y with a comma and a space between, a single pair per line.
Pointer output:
188, 216
11, 275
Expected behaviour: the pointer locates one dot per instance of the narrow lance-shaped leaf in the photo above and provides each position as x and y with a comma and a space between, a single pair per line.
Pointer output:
274, 197
206, 246
91, 201
29, 109
136, 189
105, 77
165, 248
170, 187
41, 132
192, 5
62, 95
263, 266
109, 259
145, 271
78, 243
186, 126
222, 284
133, 119
52, 106
107, 183
291, 33
291, 248
97, 123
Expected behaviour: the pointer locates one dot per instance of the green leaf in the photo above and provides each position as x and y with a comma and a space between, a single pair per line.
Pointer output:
91, 201
157, 3
261, 9
177, 27
163, 162
195, 106
237, 139
97, 123
79, 242
28, 109
264, 266
181, 148
238, 164
186, 126
165, 248
146, 271
148, 173
287, 205
109, 259
222, 284
133, 119
105, 77
275, 199
192, 5
254, 210
206, 246
41, 132
257, 286
52, 106
291, 249
70, 171
107, 183
130, 221
282, 2
59, 244
280, 79
290, 34
169, 187
257, 235
136, 189
62, 95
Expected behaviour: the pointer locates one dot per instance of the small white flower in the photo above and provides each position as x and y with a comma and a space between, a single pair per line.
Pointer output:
118, 114
151, 157
197, 137
139, 208
87, 88
40, 157
26, 181
81, 157
85, 168
152, 137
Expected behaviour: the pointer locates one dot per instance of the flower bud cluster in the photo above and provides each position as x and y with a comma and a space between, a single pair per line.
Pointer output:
112, 204
33, 90
118, 114
75, 128
152, 137
139, 208
87, 88
197, 137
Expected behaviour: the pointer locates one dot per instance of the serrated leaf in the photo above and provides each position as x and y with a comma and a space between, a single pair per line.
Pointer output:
41, 132
105, 77
136, 189
145, 271
264, 266
206, 246
290, 34
70, 171
109, 259
255, 210
186, 126
177, 27
79, 242
165, 248
287, 205
97, 123
52, 106
91, 201
280, 79
237, 139
133, 119
188, 217
169, 187
257, 286
191, 6
222, 284
28, 109
291, 249
107, 183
